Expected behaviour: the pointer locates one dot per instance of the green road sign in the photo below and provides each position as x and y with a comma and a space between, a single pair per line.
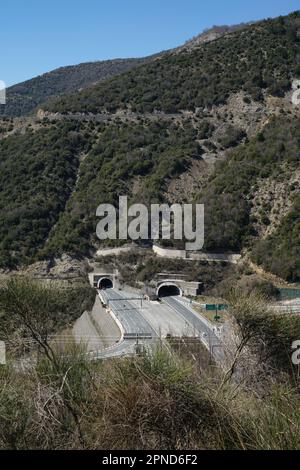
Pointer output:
211, 307
222, 307
216, 307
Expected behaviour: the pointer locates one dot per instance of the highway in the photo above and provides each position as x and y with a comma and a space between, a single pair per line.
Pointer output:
147, 323
127, 313
124, 348
201, 325
132, 324
155, 318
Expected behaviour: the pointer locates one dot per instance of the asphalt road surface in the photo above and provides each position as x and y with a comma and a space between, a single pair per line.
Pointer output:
132, 322
127, 313
200, 325
155, 319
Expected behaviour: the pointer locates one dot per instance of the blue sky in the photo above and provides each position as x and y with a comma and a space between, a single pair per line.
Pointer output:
38, 36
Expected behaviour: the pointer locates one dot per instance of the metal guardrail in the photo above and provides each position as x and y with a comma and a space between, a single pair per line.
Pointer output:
288, 308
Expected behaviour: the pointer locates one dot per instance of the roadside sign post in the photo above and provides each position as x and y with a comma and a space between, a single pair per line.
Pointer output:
2, 353
217, 316
217, 308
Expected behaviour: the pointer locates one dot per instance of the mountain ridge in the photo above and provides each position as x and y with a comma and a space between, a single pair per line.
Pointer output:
24, 98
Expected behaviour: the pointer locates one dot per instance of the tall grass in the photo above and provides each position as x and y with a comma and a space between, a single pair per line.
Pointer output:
161, 400
148, 402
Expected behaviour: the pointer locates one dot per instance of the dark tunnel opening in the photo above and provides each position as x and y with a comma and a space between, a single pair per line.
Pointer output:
105, 283
168, 291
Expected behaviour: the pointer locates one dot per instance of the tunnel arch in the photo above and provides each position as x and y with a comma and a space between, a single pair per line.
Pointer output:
168, 289
105, 283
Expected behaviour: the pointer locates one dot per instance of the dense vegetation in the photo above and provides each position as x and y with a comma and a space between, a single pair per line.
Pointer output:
264, 56
48, 309
45, 199
38, 171
129, 404
128, 159
51, 211
229, 193
279, 253
24, 97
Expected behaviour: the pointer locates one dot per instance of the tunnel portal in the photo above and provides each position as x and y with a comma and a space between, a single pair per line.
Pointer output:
168, 290
105, 283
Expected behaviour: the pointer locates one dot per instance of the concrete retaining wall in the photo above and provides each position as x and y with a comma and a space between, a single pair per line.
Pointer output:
174, 254
190, 255
228, 258
97, 330
114, 251
169, 252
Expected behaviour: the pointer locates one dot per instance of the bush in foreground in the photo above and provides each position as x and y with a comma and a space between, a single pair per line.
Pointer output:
155, 401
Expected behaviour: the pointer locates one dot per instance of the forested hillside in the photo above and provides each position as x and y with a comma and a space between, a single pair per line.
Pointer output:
264, 56
226, 134
38, 171
280, 252
128, 159
228, 198
23, 98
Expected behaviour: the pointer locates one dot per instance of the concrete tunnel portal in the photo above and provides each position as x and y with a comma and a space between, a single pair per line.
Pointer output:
168, 290
105, 283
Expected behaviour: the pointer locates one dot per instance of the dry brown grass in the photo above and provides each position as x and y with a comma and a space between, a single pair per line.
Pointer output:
158, 401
